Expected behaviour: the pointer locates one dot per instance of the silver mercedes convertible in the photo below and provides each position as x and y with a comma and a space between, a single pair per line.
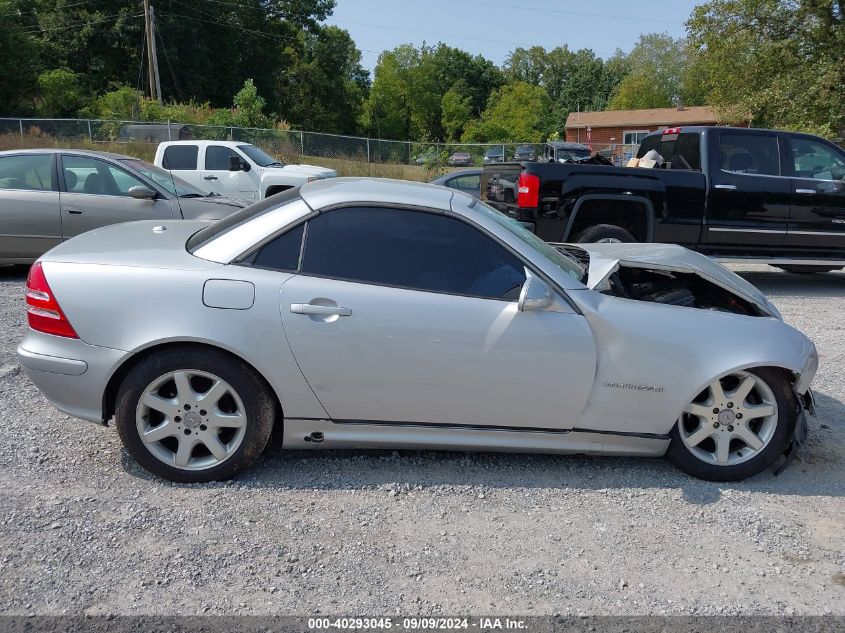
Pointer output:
365, 313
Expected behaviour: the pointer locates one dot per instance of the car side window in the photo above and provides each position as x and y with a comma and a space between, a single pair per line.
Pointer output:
217, 157
687, 152
465, 182
84, 174
816, 160
753, 154
410, 249
33, 172
281, 253
182, 157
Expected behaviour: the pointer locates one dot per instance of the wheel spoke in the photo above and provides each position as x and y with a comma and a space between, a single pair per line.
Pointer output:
186, 445
755, 411
745, 387
183, 387
213, 395
702, 433
158, 433
718, 392
216, 419
162, 405
214, 445
699, 410
749, 437
723, 447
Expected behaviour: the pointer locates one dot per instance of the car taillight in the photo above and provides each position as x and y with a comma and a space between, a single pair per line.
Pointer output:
43, 312
528, 194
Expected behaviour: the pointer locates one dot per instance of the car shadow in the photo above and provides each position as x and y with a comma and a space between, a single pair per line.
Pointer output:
777, 283
820, 471
13, 272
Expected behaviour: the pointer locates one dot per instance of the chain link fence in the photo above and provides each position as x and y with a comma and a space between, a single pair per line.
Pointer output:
293, 144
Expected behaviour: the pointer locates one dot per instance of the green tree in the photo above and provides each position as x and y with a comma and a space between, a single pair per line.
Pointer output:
773, 63
19, 57
60, 93
517, 112
456, 110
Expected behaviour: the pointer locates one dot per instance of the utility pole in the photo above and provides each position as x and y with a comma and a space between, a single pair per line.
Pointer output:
152, 59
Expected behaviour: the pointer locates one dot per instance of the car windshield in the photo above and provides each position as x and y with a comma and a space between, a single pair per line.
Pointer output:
164, 179
259, 156
568, 264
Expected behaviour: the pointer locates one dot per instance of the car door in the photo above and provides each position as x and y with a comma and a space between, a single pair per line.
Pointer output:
409, 316
468, 183
218, 178
818, 195
749, 197
30, 222
95, 192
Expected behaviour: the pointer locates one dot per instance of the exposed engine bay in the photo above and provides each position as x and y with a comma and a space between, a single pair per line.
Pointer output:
674, 288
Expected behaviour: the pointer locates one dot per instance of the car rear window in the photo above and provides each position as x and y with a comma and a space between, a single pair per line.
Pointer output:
203, 236
180, 157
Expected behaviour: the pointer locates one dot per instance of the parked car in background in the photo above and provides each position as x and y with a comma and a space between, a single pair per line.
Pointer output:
561, 151
525, 152
50, 195
494, 155
370, 313
737, 194
234, 169
460, 159
466, 180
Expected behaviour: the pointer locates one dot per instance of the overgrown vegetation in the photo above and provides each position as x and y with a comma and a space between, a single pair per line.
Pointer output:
273, 63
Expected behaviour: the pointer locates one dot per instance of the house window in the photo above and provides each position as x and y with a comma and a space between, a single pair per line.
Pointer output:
634, 137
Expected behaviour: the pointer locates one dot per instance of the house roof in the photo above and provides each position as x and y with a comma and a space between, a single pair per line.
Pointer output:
642, 118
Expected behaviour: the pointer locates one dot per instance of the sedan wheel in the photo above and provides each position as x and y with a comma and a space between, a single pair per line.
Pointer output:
736, 427
194, 414
191, 419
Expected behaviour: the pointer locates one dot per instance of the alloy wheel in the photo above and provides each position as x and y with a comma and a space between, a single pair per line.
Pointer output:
190, 419
730, 421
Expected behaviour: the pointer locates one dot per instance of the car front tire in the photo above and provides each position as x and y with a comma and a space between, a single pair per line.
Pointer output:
194, 415
605, 233
736, 427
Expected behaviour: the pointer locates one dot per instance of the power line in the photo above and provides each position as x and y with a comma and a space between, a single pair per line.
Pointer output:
564, 12
65, 6
167, 59
435, 33
77, 24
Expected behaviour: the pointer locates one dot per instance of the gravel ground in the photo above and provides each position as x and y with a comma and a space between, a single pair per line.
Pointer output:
86, 531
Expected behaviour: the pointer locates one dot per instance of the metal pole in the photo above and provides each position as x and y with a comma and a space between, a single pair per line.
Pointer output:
90, 136
20, 123
368, 150
169, 137
155, 54
149, 31
301, 144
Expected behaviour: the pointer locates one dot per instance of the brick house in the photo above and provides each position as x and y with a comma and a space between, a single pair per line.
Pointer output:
625, 129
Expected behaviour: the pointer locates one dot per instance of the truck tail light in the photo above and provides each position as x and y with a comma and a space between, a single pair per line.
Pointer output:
42, 310
528, 193
672, 130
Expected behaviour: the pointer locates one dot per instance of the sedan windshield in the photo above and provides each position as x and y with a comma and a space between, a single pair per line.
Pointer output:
259, 156
567, 263
164, 179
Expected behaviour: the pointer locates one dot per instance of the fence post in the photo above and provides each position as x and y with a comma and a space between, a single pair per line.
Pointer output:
301, 144
368, 150
231, 134
20, 123
90, 136
169, 138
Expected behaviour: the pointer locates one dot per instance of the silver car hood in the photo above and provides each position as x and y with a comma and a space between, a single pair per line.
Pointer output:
607, 258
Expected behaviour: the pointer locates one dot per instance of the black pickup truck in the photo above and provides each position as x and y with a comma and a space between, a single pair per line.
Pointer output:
733, 193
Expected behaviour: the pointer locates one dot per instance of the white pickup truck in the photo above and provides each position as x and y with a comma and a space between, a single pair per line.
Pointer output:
234, 169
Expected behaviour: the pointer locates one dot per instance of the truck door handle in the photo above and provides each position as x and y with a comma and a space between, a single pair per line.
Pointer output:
806, 192
726, 187
209, 178
73, 211
311, 308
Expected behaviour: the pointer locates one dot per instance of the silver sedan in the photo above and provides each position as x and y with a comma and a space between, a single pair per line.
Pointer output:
47, 196
375, 313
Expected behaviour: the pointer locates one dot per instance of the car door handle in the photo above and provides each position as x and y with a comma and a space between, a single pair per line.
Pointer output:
310, 308
806, 192
209, 178
726, 187
73, 211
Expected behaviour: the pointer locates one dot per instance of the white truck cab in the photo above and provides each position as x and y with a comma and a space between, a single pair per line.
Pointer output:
234, 169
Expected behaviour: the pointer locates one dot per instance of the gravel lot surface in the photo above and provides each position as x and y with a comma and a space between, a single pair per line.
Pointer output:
84, 530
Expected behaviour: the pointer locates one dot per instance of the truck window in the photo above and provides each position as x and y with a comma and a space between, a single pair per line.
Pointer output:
754, 154
217, 157
816, 160
648, 144
180, 157
687, 152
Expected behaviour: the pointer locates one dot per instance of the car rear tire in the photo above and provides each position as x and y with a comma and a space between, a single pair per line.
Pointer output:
191, 415
721, 436
799, 269
606, 233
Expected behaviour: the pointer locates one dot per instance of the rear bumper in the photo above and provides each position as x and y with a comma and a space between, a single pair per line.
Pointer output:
70, 373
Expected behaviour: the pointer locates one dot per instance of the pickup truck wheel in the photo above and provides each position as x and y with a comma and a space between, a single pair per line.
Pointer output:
604, 233
799, 269
737, 427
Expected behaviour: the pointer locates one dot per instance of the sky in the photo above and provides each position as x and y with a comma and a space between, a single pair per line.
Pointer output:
493, 28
